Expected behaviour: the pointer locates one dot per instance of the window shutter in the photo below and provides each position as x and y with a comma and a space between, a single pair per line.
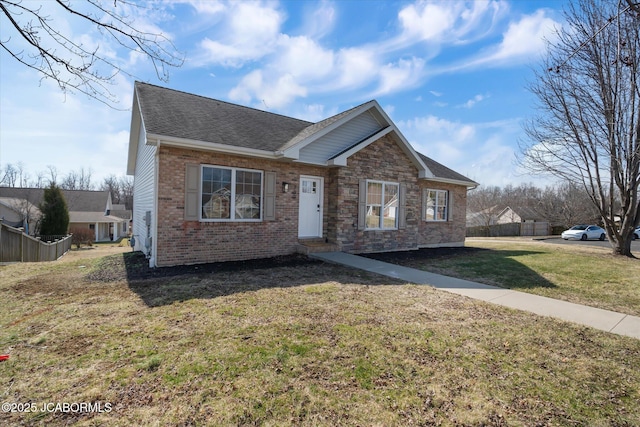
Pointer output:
449, 206
269, 196
423, 214
402, 206
192, 178
362, 204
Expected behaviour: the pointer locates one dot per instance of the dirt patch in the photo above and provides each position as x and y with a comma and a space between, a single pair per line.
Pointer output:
135, 266
93, 252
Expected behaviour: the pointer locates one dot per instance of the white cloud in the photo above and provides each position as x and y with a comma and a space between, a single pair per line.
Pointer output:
250, 32
473, 101
276, 94
320, 21
208, 7
355, 67
303, 58
399, 76
522, 42
427, 21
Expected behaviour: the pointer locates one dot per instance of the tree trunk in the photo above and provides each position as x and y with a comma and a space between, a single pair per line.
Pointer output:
622, 247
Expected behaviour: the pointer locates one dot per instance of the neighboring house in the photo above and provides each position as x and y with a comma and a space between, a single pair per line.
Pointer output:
532, 223
215, 181
483, 218
519, 214
19, 213
87, 209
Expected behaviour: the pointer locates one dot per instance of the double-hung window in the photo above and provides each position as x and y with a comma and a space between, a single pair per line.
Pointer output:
436, 205
382, 205
231, 194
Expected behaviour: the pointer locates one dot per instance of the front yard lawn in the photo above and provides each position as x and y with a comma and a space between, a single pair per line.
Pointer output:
300, 343
583, 275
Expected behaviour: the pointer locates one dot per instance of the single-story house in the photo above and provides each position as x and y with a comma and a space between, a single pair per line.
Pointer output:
531, 222
87, 209
215, 181
518, 214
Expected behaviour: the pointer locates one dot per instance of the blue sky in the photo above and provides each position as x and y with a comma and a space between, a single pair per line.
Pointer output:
451, 74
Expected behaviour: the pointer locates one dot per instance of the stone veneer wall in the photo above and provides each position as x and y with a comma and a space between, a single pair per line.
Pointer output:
392, 166
451, 232
382, 160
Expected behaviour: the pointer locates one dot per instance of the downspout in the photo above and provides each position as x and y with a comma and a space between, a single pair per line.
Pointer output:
154, 219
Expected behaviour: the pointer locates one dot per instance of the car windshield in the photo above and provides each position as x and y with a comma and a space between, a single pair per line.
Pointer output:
579, 227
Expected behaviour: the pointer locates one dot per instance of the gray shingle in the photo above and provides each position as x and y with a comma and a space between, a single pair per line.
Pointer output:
77, 200
178, 114
441, 171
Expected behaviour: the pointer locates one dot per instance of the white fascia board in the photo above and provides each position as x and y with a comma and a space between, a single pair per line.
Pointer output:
153, 139
293, 152
470, 185
341, 160
134, 135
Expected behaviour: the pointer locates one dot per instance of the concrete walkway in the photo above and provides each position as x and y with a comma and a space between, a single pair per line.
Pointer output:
610, 321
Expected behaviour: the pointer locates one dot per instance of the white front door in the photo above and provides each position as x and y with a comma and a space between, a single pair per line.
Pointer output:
310, 216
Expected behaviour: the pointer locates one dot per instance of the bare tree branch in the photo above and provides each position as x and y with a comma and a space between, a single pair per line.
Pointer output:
588, 128
39, 43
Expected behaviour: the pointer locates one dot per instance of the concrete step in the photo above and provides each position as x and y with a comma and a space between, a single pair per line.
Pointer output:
311, 246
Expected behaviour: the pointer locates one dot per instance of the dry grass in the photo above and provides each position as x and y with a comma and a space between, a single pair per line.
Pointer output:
313, 344
579, 274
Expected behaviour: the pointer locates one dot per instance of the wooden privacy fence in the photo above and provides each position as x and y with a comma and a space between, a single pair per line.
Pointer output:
510, 229
15, 246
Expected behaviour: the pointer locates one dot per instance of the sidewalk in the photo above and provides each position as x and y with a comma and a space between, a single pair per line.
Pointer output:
609, 321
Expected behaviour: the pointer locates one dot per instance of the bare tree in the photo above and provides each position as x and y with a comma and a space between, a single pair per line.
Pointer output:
53, 174
483, 205
34, 39
566, 205
112, 185
77, 180
126, 191
121, 189
9, 175
588, 129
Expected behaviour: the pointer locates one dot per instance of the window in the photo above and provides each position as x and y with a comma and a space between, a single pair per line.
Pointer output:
436, 205
231, 194
382, 205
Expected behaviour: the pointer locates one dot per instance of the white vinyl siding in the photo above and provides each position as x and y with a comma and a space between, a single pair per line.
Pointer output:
340, 139
144, 192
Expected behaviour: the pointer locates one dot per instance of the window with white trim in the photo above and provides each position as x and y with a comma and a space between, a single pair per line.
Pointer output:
230, 194
436, 205
382, 205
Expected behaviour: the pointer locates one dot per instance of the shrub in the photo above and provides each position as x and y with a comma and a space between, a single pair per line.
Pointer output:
55, 215
82, 236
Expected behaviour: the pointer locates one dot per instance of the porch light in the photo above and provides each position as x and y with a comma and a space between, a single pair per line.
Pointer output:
285, 187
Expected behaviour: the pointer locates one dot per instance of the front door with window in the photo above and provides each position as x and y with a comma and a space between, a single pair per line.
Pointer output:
310, 216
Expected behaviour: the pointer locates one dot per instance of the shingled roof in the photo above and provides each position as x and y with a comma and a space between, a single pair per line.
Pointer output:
441, 171
178, 114
77, 200
171, 113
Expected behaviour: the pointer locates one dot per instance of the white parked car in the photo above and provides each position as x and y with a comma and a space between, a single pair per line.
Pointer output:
636, 233
584, 232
